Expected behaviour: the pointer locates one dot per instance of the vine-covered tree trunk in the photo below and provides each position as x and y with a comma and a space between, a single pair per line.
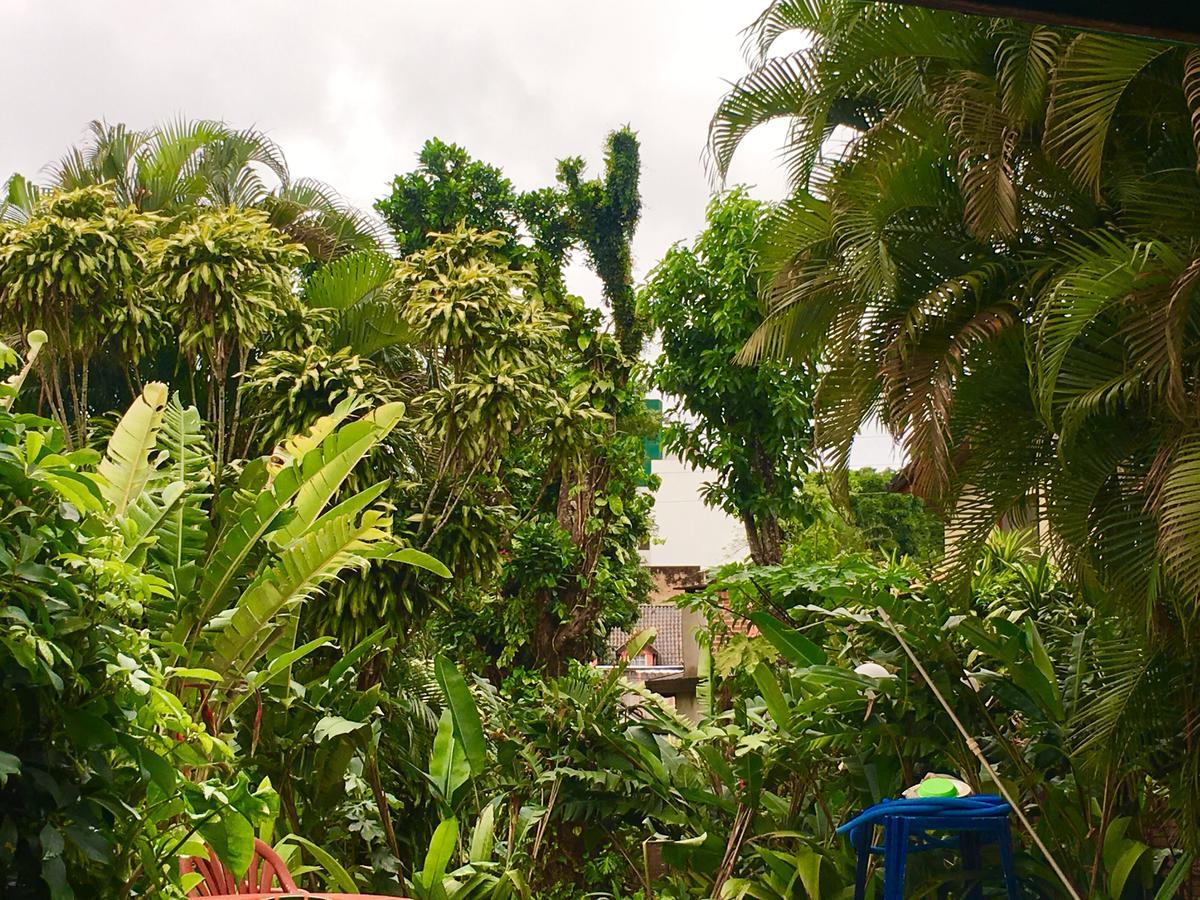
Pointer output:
605, 214
558, 638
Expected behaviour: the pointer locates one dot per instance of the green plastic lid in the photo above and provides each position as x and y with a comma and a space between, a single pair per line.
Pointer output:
937, 787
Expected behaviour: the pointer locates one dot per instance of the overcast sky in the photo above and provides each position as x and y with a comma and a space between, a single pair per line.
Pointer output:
351, 90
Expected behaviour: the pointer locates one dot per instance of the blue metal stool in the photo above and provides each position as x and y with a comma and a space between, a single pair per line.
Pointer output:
971, 821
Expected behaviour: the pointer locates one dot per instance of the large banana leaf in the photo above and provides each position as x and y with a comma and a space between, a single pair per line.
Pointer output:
226, 561
299, 572
149, 513
127, 466
299, 492
323, 470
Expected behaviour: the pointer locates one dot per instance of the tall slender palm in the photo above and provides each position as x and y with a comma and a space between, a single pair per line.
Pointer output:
184, 164
1002, 264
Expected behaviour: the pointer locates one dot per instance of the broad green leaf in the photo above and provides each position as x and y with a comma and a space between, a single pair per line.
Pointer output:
448, 766
291, 657
253, 521
414, 557
9, 765
1119, 873
468, 727
795, 647
1041, 659
483, 836
151, 511
309, 481
232, 837
333, 726
705, 685
772, 695
194, 674
441, 849
126, 466
189, 458
808, 864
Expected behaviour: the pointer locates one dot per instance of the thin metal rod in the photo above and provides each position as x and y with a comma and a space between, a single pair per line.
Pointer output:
978, 753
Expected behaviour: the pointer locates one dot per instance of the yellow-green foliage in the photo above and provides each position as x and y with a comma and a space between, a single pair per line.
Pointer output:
75, 268
226, 274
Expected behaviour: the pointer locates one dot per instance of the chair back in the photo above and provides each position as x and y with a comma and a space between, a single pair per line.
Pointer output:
266, 868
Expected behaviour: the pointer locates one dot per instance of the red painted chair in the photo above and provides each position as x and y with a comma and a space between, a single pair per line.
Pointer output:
266, 867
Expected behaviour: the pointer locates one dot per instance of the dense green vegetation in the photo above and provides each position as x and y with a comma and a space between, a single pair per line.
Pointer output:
311, 528
750, 425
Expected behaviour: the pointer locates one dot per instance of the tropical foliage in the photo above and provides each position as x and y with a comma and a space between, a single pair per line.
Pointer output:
750, 425
341, 585
999, 266
260, 572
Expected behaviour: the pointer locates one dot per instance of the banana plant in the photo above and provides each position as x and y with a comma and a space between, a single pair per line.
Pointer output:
242, 565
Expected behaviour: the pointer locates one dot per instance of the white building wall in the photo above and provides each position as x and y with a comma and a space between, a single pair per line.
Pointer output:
688, 533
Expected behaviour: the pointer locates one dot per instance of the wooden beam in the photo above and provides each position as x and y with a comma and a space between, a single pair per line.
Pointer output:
1171, 21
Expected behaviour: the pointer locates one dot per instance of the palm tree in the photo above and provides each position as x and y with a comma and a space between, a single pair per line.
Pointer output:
181, 165
194, 181
1002, 265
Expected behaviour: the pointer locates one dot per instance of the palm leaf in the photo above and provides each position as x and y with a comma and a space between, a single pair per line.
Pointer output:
780, 88
1124, 690
348, 280
1025, 58
1177, 504
780, 17
1191, 90
1089, 82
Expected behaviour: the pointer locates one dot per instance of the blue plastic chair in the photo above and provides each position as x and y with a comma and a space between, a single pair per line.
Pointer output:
912, 826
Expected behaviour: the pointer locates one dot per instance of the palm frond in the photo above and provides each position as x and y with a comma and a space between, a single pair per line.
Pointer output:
1177, 505
348, 280
1088, 84
783, 87
1025, 58
1191, 90
780, 17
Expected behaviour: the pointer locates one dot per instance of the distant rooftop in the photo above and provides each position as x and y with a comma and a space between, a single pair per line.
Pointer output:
667, 621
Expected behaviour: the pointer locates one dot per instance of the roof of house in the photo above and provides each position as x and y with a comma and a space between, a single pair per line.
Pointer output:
667, 621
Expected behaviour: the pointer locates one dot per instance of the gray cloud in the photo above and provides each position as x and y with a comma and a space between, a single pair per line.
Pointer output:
351, 90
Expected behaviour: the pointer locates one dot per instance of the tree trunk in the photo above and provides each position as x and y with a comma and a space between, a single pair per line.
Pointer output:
559, 639
763, 531
765, 537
